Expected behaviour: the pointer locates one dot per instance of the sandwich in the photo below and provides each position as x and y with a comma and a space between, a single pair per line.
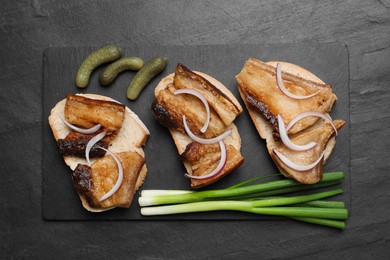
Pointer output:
290, 108
199, 112
101, 141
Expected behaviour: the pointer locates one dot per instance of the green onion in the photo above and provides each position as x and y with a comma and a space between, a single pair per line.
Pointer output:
297, 188
322, 204
255, 199
312, 203
164, 192
252, 180
287, 190
227, 193
323, 222
246, 206
294, 200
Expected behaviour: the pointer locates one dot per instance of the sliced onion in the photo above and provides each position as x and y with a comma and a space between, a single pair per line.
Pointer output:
202, 98
295, 166
284, 89
219, 167
82, 130
120, 176
286, 140
202, 140
311, 113
91, 143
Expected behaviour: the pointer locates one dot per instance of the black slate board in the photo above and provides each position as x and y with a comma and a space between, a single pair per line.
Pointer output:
60, 201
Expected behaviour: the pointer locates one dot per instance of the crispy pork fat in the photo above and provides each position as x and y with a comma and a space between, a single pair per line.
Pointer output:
93, 182
85, 112
321, 133
205, 158
258, 88
225, 108
168, 109
257, 82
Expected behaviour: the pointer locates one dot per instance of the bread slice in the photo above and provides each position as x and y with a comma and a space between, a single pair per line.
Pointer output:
266, 131
130, 138
181, 140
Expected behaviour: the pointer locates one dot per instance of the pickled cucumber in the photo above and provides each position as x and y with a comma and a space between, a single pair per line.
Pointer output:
105, 54
143, 76
108, 75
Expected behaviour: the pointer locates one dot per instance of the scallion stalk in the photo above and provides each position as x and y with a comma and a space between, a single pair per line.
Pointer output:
164, 192
312, 203
295, 189
322, 204
246, 206
252, 180
323, 222
255, 199
228, 193
294, 200
287, 190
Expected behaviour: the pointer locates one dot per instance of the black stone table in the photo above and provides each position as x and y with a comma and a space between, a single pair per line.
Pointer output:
28, 28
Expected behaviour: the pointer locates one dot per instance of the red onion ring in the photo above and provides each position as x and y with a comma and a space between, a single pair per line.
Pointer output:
120, 176
91, 143
311, 113
202, 98
219, 167
286, 140
295, 166
202, 140
284, 89
81, 130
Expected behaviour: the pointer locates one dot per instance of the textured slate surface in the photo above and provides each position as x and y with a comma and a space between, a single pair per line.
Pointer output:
328, 61
27, 28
